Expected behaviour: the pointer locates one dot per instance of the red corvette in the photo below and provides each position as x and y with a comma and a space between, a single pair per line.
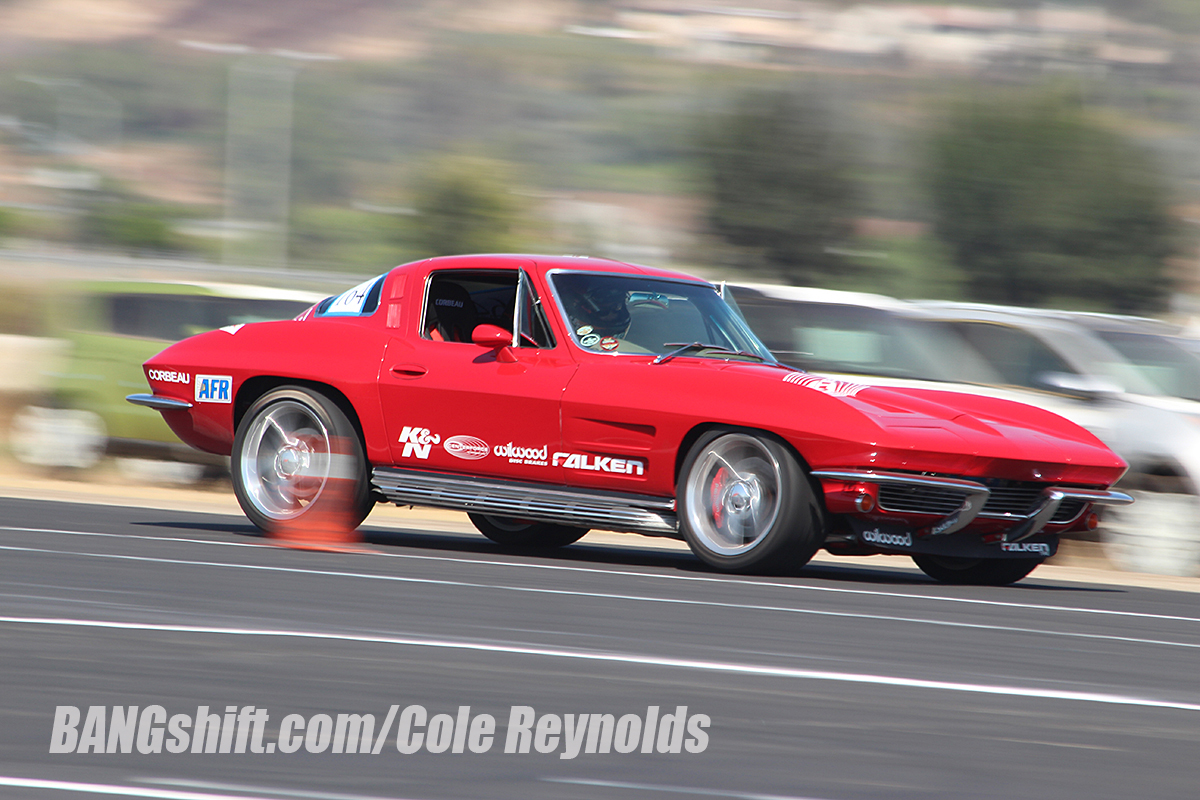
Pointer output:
548, 396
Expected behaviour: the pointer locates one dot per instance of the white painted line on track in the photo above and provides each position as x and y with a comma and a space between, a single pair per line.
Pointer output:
874, 617
688, 790
635, 659
269, 790
645, 575
158, 794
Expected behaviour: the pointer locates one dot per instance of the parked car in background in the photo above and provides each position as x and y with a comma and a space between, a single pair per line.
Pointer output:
1076, 365
1165, 357
856, 333
109, 329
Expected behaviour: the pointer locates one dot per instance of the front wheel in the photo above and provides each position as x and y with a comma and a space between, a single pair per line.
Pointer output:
297, 458
976, 571
522, 533
745, 504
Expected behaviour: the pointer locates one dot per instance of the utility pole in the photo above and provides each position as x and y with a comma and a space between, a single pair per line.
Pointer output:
258, 150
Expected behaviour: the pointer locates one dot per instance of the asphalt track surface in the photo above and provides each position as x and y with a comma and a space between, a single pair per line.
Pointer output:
846, 682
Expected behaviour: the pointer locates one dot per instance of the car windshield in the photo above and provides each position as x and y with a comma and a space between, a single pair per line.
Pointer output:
632, 314
860, 340
1170, 367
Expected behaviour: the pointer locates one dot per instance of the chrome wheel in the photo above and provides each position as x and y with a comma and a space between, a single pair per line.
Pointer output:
285, 460
733, 494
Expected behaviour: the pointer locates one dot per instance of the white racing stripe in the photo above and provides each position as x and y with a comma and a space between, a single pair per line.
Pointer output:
874, 617
636, 659
647, 576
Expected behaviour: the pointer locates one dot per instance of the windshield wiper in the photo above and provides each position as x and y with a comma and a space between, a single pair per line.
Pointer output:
687, 347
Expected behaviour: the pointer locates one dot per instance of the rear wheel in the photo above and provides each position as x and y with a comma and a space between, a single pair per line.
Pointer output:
976, 571
295, 456
745, 504
523, 533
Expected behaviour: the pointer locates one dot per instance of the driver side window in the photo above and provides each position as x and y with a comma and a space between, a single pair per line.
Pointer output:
458, 301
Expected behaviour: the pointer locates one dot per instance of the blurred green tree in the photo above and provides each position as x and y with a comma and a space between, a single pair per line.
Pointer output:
779, 183
129, 225
1041, 205
465, 204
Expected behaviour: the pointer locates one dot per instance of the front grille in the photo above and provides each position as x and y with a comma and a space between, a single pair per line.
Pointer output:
919, 499
1008, 498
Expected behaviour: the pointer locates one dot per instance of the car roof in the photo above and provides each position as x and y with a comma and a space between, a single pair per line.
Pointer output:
984, 312
552, 262
810, 294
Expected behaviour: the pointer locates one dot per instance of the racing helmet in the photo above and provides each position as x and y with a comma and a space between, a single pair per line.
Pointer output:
600, 305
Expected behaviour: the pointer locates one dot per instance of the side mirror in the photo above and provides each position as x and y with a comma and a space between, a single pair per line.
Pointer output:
495, 338
1084, 387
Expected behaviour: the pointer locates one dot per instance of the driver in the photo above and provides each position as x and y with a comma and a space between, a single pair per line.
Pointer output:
597, 313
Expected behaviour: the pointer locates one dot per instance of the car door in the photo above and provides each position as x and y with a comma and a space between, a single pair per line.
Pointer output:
452, 405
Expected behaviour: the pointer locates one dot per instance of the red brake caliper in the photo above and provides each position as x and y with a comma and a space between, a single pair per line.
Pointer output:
717, 503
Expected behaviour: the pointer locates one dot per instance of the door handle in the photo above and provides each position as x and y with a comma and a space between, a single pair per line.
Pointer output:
408, 370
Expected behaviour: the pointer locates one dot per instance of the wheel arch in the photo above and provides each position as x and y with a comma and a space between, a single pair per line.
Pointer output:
698, 430
254, 388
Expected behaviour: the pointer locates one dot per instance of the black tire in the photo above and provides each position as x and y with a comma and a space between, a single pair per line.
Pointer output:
280, 466
746, 505
525, 534
976, 571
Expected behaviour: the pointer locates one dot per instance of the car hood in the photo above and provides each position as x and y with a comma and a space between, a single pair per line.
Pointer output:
933, 430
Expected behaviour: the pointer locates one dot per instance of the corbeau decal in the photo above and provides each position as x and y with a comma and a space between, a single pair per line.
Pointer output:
624, 466
417, 441
467, 447
887, 539
169, 376
827, 385
214, 389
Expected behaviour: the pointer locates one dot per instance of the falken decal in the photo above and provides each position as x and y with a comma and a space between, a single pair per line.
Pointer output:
622, 466
829, 386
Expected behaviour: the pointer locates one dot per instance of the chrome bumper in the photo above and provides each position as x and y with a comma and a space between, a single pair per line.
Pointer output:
975, 497
159, 403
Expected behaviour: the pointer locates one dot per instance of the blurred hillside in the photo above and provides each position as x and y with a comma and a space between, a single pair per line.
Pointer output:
320, 133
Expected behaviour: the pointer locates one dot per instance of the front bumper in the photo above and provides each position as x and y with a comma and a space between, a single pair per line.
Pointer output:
955, 503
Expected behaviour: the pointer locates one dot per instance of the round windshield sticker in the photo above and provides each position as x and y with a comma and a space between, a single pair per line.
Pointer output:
591, 340
609, 343
584, 330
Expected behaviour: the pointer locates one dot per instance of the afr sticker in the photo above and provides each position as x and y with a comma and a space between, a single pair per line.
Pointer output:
214, 389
